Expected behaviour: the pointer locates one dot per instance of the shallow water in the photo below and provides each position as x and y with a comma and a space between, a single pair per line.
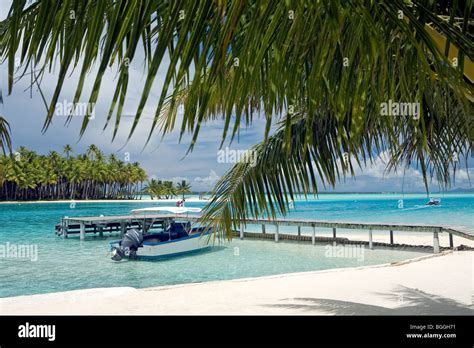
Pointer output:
68, 264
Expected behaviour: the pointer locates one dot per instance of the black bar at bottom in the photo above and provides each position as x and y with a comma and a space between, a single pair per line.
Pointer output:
221, 330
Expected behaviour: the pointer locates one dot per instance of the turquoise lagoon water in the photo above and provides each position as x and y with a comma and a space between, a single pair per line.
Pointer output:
68, 264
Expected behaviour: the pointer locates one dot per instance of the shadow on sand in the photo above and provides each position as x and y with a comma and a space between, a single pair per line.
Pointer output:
411, 302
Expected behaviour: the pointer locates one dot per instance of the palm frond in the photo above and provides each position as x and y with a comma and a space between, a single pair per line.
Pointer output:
264, 187
5, 139
277, 53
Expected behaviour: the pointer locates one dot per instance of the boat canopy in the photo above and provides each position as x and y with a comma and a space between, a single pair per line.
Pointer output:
174, 210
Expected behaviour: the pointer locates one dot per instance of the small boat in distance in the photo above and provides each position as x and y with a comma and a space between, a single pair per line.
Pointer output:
177, 237
434, 201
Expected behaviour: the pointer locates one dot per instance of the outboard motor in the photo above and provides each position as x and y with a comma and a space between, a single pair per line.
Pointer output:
128, 246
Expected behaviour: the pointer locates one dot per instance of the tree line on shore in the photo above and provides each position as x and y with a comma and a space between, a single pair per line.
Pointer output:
166, 189
26, 175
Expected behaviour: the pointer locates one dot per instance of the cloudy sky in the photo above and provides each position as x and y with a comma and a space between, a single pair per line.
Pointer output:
163, 157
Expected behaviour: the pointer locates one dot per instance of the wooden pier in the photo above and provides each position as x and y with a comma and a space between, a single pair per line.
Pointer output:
118, 224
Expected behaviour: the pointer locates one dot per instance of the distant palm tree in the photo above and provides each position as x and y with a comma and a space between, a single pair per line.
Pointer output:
93, 152
168, 189
154, 188
67, 149
183, 187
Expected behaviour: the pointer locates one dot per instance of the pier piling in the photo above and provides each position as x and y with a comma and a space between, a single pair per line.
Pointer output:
276, 232
435, 242
391, 237
82, 232
123, 228
65, 228
370, 239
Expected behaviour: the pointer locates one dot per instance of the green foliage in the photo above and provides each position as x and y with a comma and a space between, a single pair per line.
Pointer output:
160, 189
245, 56
26, 175
183, 187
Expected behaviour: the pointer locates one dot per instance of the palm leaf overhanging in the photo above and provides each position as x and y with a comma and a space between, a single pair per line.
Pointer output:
5, 139
321, 69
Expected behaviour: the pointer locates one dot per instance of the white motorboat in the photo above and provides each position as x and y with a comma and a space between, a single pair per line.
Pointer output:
176, 238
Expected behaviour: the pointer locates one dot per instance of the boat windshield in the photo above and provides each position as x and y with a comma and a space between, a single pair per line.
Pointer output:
179, 229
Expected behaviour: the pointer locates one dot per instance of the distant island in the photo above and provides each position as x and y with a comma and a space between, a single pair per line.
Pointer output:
462, 190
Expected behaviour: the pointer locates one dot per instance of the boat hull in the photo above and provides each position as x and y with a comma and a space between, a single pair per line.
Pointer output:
171, 248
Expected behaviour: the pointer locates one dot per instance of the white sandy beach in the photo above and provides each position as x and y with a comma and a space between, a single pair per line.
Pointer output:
434, 284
